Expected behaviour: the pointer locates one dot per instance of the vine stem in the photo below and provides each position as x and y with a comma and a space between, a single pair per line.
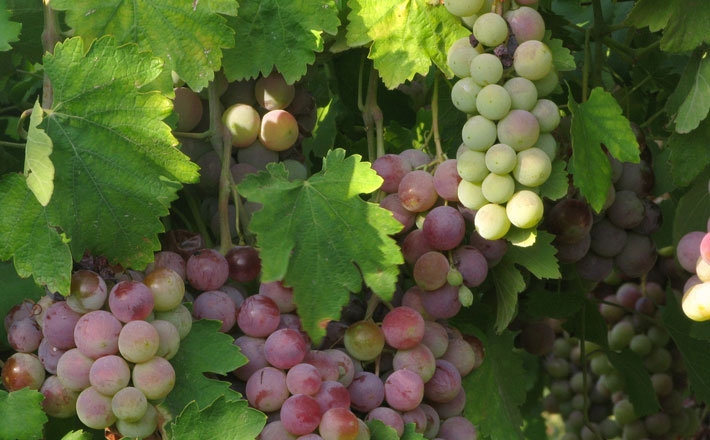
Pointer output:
585, 69
435, 119
12, 144
222, 143
372, 116
50, 37
195, 211
599, 31
203, 135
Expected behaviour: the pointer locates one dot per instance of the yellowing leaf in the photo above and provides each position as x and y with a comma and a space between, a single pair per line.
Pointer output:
39, 169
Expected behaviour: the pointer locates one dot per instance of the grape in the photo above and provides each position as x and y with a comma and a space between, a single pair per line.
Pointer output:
415, 245
88, 291
662, 384
498, 188
691, 282
73, 370
275, 431
486, 69
97, 334
702, 270
22, 370
332, 395
345, 365
49, 356
207, 269
524, 209
257, 155
188, 107
547, 143
325, 364
131, 300
479, 133
417, 191
657, 424
244, 264
300, 414
418, 359
526, 24
243, 123
607, 239
169, 260
547, 84
155, 378
493, 102
557, 368
522, 92
457, 428
58, 401
445, 384
366, 391
392, 169
464, 93
416, 416
490, 29
620, 335
285, 348
636, 177
688, 250
129, 404
638, 256
463, 8
537, 338
258, 316
432, 421
493, 250
461, 355
142, 428
471, 166
138, 341
705, 248
403, 328
500, 159
364, 340
273, 93
109, 374
442, 303
180, 317
19, 312
471, 195
210, 169
658, 336
444, 227
412, 298
400, 213
24, 335
469, 20
435, 338
572, 252
387, 416
338, 424
532, 60
216, 305
169, 339
627, 211
446, 180
94, 409
547, 115
168, 288
416, 158
570, 220
492, 222
519, 129
471, 264
281, 295
459, 57
59, 323
533, 167
652, 218
302, 379
253, 349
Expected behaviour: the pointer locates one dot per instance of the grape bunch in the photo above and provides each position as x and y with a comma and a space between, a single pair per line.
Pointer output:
693, 253
508, 148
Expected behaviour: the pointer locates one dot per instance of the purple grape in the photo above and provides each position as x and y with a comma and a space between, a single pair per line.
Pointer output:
594, 268
130, 301
419, 360
435, 338
493, 250
244, 263
472, 265
155, 378
607, 240
636, 177
412, 298
303, 379
432, 421
253, 349
275, 431
281, 295
300, 414
627, 211
258, 316
461, 355
638, 255
22, 370
652, 218
346, 367
451, 408
392, 169
324, 363
24, 335
387, 416
332, 395
417, 191
416, 416
688, 250
569, 253
207, 269
285, 348
109, 374
444, 227
430, 270
49, 356
59, 323
168, 260
216, 305
404, 390
73, 370
96, 334
403, 328
446, 180
457, 428
416, 158
442, 303
415, 245
366, 392
236, 295
19, 312
570, 220
400, 213
58, 401
445, 385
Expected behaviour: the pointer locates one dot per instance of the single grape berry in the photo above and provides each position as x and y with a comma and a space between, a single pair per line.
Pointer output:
244, 263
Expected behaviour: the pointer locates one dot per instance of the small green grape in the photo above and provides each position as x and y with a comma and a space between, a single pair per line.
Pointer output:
471, 166
547, 143
498, 188
463, 8
479, 133
471, 195
547, 84
492, 222
493, 102
486, 69
501, 159
464, 93
490, 29
459, 57
523, 93
532, 60
525, 209
533, 167
547, 115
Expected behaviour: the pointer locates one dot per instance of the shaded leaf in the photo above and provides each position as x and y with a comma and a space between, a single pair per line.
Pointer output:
14, 291
557, 184
509, 283
539, 258
689, 154
637, 382
9, 30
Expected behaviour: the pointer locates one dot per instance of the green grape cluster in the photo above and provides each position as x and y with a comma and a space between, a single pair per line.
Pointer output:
505, 73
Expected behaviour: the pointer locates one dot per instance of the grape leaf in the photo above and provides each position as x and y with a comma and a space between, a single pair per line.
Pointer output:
562, 59
406, 35
204, 350
693, 209
55, 429
78, 435
223, 419
539, 258
31, 16
9, 30
39, 170
689, 154
324, 132
557, 184
328, 240
637, 382
685, 84
21, 414
187, 35
588, 322
509, 283
29, 237
410, 433
558, 305
595, 122
684, 22
225, 7
380, 431
496, 390
116, 163
14, 291
281, 34
652, 13
696, 105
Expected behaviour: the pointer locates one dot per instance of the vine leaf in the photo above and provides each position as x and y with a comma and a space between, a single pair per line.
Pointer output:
380, 431
224, 419
496, 390
637, 382
9, 30
595, 122
31, 16
406, 35
562, 58
684, 22
652, 13
696, 104
509, 283
588, 324
204, 350
689, 154
695, 209
539, 258
556, 185
327, 240
558, 305
116, 163
30, 238
281, 34
22, 414
188, 36
324, 132
14, 291
39, 169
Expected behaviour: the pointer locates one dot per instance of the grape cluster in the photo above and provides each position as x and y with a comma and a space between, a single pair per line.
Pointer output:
693, 252
508, 148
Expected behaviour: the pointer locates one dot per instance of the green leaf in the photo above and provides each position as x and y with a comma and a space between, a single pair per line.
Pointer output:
380, 431
637, 382
509, 283
31, 16
685, 84
558, 305
55, 429
225, 7
39, 169
562, 58
521, 237
22, 414
9, 30
116, 163
689, 154
281, 34
588, 322
595, 122
406, 35
29, 237
328, 239
324, 133
694, 353
557, 184
539, 258
223, 419
14, 291
187, 35
496, 390
78, 435
693, 209
410, 433
696, 105
687, 28
652, 13
204, 350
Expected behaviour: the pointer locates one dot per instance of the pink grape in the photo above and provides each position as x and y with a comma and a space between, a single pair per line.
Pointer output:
366, 391
446, 180
129, 404
419, 360
387, 416
253, 349
155, 378
73, 370
280, 294
416, 158
705, 248
279, 130
415, 245
244, 263
444, 227
445, 384
275, 431
285, 348
417, 191
169, 260
169, 338
451, 408
22, 370
472, 264
493, 250
207, 269
416, 416
519, 129
19, 312
139, 341
442, 303
688, 250
59, 323
24, 335
59, 401
332, 395
403, 328
435, 338
94, 409
346, 368
130, 300
430, 270
88, 291
432, 421
300, 414
236, 295
457, 428
413, 299
266, 389
273, 92
168, 288
97, 333
216, 305
109, 374
303, 379
404, 390
461, 355
49, 356
310, 437
144, 427
392, 169
526, 24
325, 364
400, 213
338, 424
258, 316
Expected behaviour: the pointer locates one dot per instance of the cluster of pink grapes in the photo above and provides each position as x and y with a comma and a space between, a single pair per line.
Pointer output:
693, 254
508, 149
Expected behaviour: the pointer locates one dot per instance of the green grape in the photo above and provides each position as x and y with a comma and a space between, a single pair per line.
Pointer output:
547, 84
479, 133
471, 195
464, 93
547, 115
620, 335
519, 129
641, 345
523, 93
463, 8
498, 188
600, 365
492, 222
459, 57
624, 412
243, 122
532, 60
658, 336
658, 361
490, 29
471, 166
501, 159
469, 20
493, 102
486, 69
533, 167
524, 209
547, 143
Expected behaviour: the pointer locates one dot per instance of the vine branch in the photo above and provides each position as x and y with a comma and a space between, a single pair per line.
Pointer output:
50, 38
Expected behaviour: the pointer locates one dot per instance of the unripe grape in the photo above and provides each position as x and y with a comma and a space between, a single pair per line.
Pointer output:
493, 102
533, 167
243, 121
519, 129
463, 8
486, 69
364, 340
524, 209
523, 93
490, 29
492, 222
279, 130
141, 428
273, 93
460, 55
471, 165
479, 133
547, 115
464, 93
547, 143
188, 106
129, 404
94, 409
23, 370
59, 401
471, 195
498, 188
500, 159
168, 288
547, 84
532, 60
